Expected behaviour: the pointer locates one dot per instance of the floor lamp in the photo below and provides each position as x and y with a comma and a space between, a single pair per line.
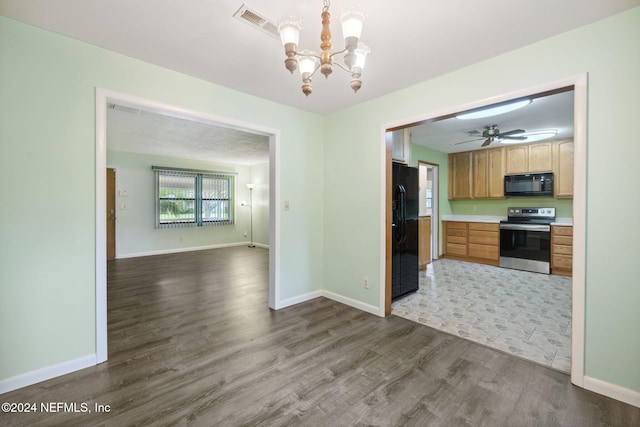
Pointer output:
250, 186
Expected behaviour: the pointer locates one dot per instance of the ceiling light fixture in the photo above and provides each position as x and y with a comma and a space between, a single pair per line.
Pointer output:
532, 136
354, 58
493, 110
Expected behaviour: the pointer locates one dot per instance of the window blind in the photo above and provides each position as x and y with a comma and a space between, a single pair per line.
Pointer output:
186, 198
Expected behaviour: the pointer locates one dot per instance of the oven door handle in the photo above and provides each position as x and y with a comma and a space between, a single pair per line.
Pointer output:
525, 227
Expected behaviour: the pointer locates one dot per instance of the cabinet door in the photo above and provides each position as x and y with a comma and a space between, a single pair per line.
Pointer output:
424, 233
495, 173
480, 170
540, 157
400, 145
460, 175
517, 159
563, 169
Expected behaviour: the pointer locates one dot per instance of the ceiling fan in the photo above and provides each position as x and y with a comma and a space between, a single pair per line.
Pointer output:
491, 133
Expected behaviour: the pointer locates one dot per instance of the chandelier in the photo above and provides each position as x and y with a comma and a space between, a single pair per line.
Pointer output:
309, 62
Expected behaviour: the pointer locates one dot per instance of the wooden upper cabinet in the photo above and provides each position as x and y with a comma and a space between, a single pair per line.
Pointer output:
563, 168
495, 173
488, 173
541, 157
517, 159
400, 145
460, 175
480, 174
529, 158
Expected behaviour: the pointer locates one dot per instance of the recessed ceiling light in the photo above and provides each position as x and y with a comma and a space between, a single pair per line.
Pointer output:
532, 136
493, 110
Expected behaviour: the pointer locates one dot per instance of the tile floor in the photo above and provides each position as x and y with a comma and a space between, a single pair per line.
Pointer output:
522, 313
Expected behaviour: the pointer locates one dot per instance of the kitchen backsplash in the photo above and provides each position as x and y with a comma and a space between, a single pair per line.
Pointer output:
498, 207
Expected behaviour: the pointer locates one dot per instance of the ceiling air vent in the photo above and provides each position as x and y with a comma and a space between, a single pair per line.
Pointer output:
257, 20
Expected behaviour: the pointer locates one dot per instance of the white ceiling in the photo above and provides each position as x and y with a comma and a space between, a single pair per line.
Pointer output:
144, 132
411, 41
552, 112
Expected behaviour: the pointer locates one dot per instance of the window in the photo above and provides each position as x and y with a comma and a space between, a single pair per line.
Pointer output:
193, 198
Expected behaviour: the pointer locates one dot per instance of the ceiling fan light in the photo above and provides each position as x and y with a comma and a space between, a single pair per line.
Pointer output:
493, 110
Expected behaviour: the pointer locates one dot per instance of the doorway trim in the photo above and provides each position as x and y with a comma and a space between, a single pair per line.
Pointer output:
579, 83
105, 96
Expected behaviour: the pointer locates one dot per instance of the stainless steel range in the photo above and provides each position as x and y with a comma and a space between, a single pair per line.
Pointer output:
525, 239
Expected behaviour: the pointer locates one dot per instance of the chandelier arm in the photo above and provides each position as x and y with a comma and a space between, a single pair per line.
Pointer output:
312, 54
342, 66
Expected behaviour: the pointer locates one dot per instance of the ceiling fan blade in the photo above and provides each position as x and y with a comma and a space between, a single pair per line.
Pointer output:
518, 138
511, 132
486, 142
464, 142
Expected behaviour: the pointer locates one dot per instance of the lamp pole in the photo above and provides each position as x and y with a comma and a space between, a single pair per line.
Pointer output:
250, 187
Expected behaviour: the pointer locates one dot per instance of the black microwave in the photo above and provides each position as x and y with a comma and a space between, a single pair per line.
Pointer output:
530, 184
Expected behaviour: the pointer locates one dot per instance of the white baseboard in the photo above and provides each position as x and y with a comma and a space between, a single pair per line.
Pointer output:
613, 391
298, 299
352, 303
190, 249
332, 296
43, 374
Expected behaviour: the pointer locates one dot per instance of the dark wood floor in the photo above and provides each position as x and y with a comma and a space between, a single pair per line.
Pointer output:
192, 342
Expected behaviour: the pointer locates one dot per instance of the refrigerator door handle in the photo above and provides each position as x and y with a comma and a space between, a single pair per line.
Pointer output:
402, 214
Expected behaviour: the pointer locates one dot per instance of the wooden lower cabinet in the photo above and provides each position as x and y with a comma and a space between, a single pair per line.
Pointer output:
562, 250
472, 241
424, 237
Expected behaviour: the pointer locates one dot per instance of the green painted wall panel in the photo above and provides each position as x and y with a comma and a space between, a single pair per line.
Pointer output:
608, 51
47, 147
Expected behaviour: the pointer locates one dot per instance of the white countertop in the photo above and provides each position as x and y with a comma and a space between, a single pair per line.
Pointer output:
567, 222
474, 218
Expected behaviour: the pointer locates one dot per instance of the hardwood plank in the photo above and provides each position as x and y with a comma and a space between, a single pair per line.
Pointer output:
192, 341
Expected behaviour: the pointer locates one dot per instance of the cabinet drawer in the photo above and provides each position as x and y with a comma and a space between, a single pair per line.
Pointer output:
562, 250
562, 240
484, 237
562, 261
456, 249
483, 226
456, 225
562, 231
484, 251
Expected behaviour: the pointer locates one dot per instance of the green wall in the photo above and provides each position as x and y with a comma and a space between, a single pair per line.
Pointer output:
498, 207
608, 51
47, 233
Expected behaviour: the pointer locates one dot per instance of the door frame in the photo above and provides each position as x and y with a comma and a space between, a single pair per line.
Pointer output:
115, 208
106, 96
579, 83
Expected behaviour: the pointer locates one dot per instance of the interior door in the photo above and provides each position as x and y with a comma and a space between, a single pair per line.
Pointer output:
111, 213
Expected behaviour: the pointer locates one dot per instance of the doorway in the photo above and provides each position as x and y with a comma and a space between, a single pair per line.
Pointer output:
579, 85
103, 99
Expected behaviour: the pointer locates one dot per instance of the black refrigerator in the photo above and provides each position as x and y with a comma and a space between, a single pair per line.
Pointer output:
404, 228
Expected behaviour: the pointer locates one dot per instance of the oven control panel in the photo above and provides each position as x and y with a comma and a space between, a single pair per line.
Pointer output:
532, 213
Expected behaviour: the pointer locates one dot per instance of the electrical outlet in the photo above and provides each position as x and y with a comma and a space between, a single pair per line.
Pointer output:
245, 234
365, 284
